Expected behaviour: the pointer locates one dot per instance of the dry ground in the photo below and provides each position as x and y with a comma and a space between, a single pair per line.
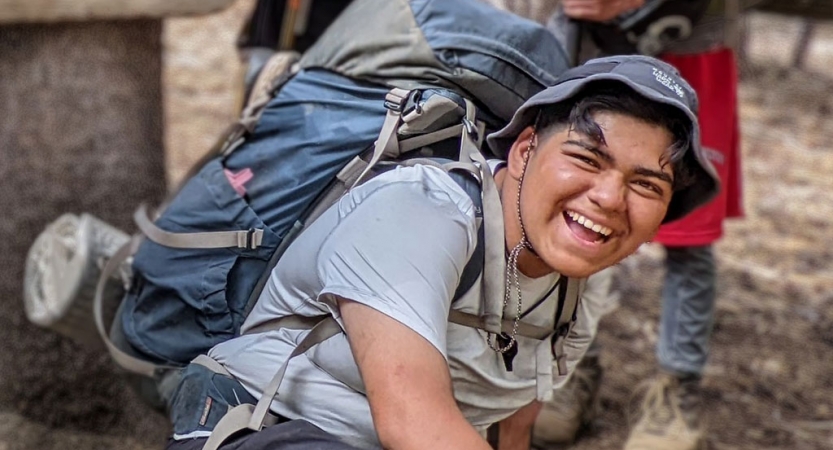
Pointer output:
768, 384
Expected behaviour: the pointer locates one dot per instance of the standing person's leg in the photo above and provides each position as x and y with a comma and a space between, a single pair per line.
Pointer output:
671, 409
688, 301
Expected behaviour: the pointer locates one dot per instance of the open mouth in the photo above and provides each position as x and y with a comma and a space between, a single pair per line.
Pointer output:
585, 229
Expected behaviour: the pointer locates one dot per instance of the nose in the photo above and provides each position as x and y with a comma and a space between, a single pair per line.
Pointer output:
608, 192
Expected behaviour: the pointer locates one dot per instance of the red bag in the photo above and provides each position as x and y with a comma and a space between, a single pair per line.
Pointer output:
713, 75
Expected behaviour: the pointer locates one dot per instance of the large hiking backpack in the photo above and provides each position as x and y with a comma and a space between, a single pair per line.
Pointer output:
391, 80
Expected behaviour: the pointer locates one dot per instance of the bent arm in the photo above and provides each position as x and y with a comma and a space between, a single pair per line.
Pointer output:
407, 383
515, 431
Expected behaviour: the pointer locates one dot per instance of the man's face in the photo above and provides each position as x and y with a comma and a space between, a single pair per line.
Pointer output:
587, 205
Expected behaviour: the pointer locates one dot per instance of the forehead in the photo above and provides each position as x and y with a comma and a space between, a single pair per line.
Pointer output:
626, 134
628, 143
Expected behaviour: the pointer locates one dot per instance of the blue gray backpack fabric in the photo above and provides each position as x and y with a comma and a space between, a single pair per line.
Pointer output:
391, 80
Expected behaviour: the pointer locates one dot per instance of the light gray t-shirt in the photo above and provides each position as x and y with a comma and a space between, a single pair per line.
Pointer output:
397, 244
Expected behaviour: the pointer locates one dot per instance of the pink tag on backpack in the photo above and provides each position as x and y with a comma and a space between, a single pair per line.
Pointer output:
239, 179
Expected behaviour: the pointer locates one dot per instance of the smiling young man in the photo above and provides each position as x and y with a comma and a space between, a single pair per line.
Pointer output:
593, 166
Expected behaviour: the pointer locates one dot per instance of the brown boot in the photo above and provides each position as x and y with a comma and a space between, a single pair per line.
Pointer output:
670, 416
572, 407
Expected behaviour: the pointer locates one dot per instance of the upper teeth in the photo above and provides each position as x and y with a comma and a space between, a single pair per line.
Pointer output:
603, 230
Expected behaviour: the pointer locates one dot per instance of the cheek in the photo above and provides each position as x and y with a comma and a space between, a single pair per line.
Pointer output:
646, 217
555, 182
543, 200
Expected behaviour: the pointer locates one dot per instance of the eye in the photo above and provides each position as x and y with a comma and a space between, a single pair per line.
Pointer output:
649, 186
585, 159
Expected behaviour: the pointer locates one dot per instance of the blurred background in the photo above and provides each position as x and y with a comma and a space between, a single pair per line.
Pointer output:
769, 382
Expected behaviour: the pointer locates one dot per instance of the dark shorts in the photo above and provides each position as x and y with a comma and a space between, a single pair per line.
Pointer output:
203, 397
291, 435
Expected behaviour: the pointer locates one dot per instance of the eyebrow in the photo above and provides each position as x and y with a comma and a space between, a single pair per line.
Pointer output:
593, 149
639, 170
646, 172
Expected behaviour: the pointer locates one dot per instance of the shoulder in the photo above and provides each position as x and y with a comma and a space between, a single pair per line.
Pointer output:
414, 188
417, 210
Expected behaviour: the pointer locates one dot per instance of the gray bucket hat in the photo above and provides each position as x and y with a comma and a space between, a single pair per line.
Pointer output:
649, 77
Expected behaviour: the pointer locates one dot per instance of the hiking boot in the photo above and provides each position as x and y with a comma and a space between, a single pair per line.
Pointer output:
572, 407
670, 416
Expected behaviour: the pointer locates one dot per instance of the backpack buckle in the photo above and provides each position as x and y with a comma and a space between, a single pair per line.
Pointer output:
557, 346
250, 239
471, 129
403, 102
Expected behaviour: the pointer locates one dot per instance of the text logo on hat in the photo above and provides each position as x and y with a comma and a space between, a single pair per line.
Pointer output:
668, 81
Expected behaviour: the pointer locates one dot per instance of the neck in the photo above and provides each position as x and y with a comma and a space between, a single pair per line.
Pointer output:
529, 263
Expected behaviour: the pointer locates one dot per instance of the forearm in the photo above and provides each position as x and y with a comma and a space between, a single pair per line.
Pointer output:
445, 429
411, 414
407, 383
516, 430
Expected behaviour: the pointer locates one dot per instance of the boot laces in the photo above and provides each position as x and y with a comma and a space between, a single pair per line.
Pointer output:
667, 400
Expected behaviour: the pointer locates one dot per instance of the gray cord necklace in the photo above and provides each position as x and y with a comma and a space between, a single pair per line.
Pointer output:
507, 344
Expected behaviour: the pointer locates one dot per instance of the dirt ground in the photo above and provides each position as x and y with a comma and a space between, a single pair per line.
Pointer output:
768, 384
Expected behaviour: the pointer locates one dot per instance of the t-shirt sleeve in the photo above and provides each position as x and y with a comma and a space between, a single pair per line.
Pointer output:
400, 247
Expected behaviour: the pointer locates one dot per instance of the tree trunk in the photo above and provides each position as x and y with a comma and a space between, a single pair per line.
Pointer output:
81, 129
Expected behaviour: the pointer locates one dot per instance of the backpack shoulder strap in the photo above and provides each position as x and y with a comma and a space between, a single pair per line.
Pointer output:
474, 267
569, 299
255, 417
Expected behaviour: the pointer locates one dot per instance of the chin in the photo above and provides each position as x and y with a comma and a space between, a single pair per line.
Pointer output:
574, 262
574, 267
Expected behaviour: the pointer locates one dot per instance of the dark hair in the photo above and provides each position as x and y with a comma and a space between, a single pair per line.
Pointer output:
615, 97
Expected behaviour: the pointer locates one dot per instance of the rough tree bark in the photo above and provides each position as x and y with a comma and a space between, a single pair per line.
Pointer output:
80, 130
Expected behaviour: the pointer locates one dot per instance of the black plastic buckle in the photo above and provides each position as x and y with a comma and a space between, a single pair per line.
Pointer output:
407, 104
471, 129
249, 238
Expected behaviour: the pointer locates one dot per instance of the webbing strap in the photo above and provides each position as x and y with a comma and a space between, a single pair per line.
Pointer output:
466, 167
406, 145
123, 359
234, 421
475, 321
212, 365
248, 239
293, 322
287, 240
575, 287
325, 329
351, 172
494, 265
558, 353
387, 143
256, 417
565, 324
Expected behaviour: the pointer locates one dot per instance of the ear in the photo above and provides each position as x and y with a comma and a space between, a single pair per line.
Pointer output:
518, 152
